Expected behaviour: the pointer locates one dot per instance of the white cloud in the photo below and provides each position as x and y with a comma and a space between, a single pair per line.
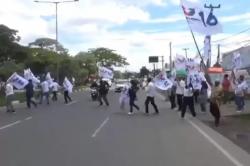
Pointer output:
234, 18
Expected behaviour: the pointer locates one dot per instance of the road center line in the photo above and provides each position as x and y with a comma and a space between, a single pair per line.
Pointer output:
220, 148
28, 118
73, 102
10, 125
100, 127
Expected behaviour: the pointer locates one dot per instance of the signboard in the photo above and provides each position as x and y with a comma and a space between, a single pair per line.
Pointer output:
153, 59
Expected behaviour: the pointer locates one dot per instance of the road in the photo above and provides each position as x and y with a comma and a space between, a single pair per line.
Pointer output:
82, 133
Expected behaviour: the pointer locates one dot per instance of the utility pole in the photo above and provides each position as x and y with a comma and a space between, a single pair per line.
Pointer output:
170, 56
185, 49
162, 62
218, 56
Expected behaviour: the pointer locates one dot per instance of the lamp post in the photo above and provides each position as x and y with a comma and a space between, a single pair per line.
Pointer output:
186, 49
56, 5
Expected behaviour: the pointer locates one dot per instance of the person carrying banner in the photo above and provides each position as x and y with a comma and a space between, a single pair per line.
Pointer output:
45, 91
67, 90
29, 94
179, 92
132, 96
226, 89
188, 100
54, 86
172, 95
103, 91
9, 91
150, 90
240, 90
215, 98
203, 97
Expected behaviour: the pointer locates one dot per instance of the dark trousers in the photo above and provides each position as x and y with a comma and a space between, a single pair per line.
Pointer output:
46, 95
188, 101
104, 98
152, 101
179, 101
215, 111
132, 104
196, 95
54, 97
172, 101
30, 101
66, 97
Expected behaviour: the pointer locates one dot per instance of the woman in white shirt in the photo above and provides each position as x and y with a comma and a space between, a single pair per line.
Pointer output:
180, 92
9, 91
188, 100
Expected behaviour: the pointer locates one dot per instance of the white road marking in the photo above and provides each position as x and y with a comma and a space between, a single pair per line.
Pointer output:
10, 125
220, 148
73, 102
100, 127
28, 118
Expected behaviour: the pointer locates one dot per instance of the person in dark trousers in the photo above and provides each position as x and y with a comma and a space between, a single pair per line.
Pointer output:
179, 92
55, 86
226, 89
214, 102
150, 89
188, 100
172, 95
103, 91
67, 98
132, 96
29, 94
203, 97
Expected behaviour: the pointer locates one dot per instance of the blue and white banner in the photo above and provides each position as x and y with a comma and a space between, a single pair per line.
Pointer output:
49, 78
162, 82
17, 81
201, 17
180, 62
105, 73
196, 78
28, 75
68, 85
236, 61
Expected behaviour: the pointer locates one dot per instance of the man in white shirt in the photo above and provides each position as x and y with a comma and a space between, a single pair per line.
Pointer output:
45, 91
9, 91
180, 92
188, 100
54, 86
151, 92
240, 90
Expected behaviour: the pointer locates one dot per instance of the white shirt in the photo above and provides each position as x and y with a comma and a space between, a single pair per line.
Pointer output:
180, 87
188, 92
9, 89
240, 88
45, 86
55, 86
150, 89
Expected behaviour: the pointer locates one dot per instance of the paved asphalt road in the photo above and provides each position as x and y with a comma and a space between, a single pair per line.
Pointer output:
83, 134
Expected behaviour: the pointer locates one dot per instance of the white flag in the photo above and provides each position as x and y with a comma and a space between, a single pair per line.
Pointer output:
201, 17
237, 61
106, 73
180, 62
28, 75
68, 85
49, 79
17, 81
162, 82
195, 78
192, 65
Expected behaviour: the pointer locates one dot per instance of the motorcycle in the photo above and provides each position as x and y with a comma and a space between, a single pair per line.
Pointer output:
94, 94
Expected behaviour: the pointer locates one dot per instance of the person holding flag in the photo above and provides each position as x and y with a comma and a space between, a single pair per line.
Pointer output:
103, 91
151, 91
29, 94
9, 91
132, 96
67, 89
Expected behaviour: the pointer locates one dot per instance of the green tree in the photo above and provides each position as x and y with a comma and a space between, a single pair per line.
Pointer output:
108, 57
144, 72
87, 61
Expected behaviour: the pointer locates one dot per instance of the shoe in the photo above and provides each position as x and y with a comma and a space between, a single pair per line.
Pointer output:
238, 111
130, 113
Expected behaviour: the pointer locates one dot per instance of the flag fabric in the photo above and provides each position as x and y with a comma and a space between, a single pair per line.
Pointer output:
195, 78
68, 85
207, 48
17, 81
49, 78
162, 82
201, 18
28, 75
192, 65
180, 62
236, 61
105, 73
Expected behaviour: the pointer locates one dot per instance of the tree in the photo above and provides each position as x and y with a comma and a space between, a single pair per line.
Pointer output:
49, 44
144, 72
108, 57
87, 61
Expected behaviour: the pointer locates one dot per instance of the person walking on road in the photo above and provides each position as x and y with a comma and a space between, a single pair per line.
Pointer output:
172, 95
240, 91
103, 91
30, 94
45, 91
9, 91
54, 86
188, 100
132, 96
203, 97
226, 89
67, 90
180, 92
151, 92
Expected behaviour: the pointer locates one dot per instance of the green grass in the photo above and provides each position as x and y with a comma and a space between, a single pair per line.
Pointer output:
18, 96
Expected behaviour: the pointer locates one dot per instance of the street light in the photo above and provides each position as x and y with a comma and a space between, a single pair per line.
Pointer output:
56, 4
185, 49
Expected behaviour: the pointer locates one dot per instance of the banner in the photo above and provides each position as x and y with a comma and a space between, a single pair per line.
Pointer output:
192, 65
162, 82
236, 61
67, 84
196, 78
105, 73
49, 79
28, 75
201, 17
180, 62
17, 81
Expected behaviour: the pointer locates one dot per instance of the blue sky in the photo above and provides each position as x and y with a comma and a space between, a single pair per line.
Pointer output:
135, 28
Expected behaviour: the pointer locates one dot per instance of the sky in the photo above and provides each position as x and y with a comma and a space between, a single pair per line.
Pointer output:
136, 29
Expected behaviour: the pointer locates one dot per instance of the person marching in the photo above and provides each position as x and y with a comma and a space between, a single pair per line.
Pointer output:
67, 90
150, 90
188, 100
240, 91
54, 86
9, 91
45, 91
203, 97
29, 94
180, 92
132, 96
172, 95
103, 91
226, 89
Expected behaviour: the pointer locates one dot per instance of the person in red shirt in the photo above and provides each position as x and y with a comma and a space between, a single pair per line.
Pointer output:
226, 89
